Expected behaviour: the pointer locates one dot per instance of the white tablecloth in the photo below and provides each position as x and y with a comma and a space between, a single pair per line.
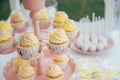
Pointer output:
113, 55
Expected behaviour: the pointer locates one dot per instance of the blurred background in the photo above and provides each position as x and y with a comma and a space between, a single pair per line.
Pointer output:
76, 9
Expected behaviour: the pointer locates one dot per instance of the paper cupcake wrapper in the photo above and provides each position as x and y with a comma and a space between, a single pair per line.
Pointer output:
62, 65
32, 78
59, 47
18, 26
28, 53
56, 25
7, 45
72, 34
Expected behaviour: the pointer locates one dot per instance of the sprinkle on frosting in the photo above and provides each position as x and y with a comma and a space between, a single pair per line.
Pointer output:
43, 15
58, 36
69, 25
26, 71
54, 71
28, 39
17, 17
60, 17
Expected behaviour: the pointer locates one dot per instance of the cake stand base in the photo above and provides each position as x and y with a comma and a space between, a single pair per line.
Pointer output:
10, 71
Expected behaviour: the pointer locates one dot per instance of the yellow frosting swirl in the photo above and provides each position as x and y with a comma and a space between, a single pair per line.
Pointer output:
43, 15
54, 71
18, 61
28, 40
60, 58
26, 71
58, 36
60, 17
69, 25
17, 17
4, 25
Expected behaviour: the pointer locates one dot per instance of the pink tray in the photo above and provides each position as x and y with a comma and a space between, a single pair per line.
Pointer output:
10, 71
110, 44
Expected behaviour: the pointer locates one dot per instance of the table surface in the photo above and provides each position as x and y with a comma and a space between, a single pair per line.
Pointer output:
112, 55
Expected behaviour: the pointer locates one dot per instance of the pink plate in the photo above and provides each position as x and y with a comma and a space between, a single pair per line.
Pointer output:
11, 50
110, 44
10, 71
24, 29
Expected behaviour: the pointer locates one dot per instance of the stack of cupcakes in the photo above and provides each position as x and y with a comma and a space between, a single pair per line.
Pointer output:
58, 44
6, 38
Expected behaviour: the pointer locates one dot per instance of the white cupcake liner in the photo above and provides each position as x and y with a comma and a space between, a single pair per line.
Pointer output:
7, 45
28, 53
56, 25
31, 78
62, 65
59, 47
18, 26
72, 34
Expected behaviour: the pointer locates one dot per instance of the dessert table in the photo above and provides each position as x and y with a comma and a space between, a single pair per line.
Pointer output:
112, 55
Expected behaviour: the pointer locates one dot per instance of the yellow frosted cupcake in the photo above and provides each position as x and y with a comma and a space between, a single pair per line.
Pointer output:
29, 45
53, 72
6, 39
59, 18
44, 19
70, 28
58, 39
18, 61
60, 60
26, 72
17, 21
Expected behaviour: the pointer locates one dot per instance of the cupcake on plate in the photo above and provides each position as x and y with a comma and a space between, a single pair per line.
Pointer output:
58, 40
53, 72
26, 72
18, 61
44, 19
59, 18
6, 38
17, 21
29, 46
61, 60
70, 28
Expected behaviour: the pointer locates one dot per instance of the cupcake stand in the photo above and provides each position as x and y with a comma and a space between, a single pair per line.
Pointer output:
45, 55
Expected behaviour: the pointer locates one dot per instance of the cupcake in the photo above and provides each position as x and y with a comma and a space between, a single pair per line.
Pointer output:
17, 21
70, 28
18, 61
26, 72
53, 72
59, 18
61, 60
6, 39
58, 40
29, 46
44, 20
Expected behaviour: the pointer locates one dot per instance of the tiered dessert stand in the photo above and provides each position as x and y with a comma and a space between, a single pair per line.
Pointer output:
45, 57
